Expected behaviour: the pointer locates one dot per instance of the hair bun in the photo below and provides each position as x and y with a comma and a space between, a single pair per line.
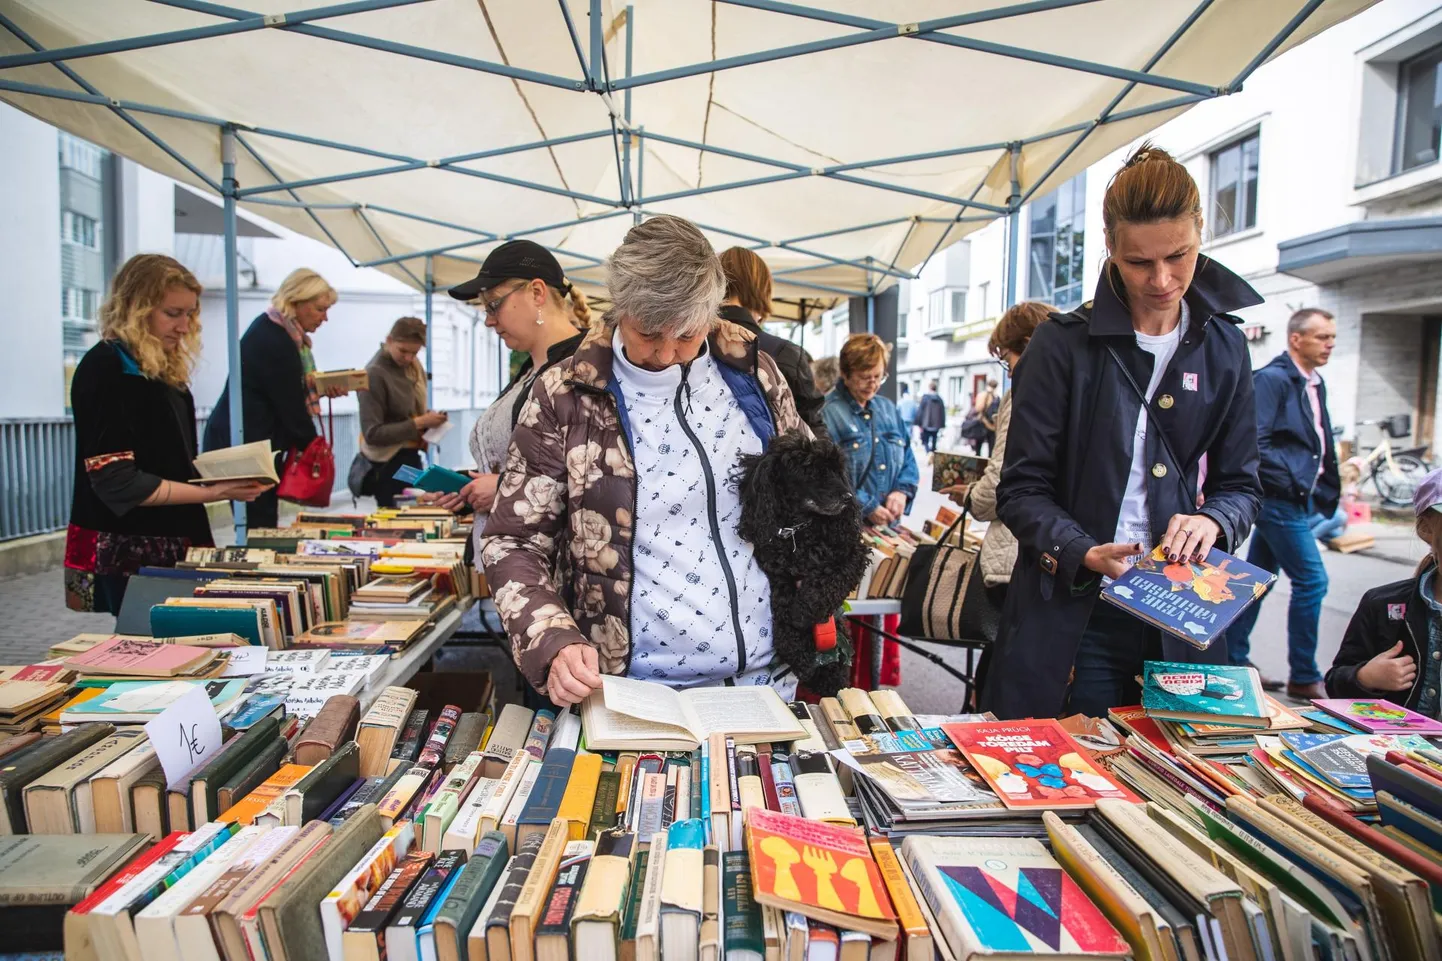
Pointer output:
1148, 153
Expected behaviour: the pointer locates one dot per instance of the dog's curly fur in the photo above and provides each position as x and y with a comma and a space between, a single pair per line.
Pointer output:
799, 513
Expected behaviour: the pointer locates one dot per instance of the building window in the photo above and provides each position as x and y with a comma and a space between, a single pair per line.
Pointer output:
958, 306
954, 388
1419, 110
1058, 229
947, 308
1234, 186
79, 229
985, 289
902, 316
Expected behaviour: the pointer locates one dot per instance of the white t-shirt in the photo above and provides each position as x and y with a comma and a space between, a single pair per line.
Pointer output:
1134, 523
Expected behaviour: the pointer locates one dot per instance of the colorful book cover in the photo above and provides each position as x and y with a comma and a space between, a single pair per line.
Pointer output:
795, 861
1376, 716
1341, 759
948, 470
1195, 602
1321, 718
1034, 764
1134, 718
1007, 896
1170, 688
125, 699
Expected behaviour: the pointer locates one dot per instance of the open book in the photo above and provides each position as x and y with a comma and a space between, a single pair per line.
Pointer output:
347, 380
254, 461
626, 715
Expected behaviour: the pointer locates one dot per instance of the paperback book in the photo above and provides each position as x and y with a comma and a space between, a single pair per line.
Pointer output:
1195, 602
1174, 691
1376, 716
1034, 764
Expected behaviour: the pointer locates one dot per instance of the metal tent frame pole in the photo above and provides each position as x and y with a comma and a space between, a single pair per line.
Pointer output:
229, 187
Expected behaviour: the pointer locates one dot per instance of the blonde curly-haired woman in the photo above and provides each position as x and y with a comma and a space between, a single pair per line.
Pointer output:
135, 437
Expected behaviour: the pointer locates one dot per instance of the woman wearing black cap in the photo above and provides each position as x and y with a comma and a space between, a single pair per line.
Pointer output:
522, 292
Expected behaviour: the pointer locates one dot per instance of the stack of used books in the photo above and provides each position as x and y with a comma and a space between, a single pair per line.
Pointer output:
28, 692
716, 823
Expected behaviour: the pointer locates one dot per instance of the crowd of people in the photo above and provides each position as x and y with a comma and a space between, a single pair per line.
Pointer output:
603, 470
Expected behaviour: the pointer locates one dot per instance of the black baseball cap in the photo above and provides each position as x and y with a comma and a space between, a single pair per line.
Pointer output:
514, 260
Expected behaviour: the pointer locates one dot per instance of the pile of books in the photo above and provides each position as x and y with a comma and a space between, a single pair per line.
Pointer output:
719, 823
28, 693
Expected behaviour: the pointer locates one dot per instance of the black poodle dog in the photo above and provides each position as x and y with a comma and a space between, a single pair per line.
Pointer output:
800, 515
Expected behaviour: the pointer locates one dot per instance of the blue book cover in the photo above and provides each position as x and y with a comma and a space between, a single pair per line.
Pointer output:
1177, 691
1341, 759
1195, 602
545, 799
254, 709
1321, 717
184, 621
139, 701
434, 479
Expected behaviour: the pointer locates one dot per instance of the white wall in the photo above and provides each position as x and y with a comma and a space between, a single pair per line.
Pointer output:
32, 382
147, 212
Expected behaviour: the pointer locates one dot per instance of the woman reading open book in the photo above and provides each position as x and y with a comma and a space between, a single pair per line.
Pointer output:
135, 437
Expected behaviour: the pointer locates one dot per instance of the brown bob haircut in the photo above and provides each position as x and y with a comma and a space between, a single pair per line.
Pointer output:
748, 280
1016, 326
863, 352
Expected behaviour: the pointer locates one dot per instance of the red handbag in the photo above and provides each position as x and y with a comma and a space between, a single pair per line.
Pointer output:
309, 475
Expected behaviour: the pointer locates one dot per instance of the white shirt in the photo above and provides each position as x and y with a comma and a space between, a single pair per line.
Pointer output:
683, 617
1134, 524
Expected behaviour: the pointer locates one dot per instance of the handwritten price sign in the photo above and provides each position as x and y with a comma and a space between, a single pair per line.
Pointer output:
186, 735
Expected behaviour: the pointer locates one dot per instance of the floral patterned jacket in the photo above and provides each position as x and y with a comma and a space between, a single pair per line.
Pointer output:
557, 546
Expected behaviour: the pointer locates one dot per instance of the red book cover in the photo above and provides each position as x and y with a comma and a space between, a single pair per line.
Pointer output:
1135, 720
768, 781
1034, 764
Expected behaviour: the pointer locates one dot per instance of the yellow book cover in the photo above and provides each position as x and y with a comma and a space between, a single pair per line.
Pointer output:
908, 913
580, 795
245, 810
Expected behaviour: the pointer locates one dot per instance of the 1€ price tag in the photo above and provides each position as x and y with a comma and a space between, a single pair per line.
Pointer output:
186, 735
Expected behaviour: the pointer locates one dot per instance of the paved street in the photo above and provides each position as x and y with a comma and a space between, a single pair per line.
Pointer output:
34, 613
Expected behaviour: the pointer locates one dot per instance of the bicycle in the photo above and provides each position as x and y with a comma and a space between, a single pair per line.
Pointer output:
1394, 472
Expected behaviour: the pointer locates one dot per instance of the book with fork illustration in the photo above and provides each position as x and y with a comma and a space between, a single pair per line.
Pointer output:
823, 871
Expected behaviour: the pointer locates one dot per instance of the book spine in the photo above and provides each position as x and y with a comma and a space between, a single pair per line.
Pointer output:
603, 809
743, 928
514, 881
731, 774
419, 898
408, 744
388, 897
555, 919
786, 800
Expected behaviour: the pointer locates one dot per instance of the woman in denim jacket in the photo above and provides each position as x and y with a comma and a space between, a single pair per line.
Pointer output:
871, 432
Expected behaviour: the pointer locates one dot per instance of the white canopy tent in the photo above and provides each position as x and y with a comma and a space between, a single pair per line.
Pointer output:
845, 141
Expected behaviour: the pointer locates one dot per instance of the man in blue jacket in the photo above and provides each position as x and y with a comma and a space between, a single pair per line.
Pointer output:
1299, 480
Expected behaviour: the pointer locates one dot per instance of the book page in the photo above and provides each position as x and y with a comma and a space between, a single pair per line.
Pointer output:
236, 463
646, 700
728, 710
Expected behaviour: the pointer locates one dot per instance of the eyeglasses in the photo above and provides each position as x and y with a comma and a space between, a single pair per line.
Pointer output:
868, 379
489, 307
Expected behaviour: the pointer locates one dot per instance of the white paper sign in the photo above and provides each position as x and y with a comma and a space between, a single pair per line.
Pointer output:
245, 661
186, 735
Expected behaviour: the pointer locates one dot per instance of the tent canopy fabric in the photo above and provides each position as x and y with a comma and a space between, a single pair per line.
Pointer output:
845, 141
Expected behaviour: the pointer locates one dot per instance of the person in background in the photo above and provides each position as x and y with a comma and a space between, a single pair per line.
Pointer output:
870, 433
1393, 645
1112, 413
930, 416
393, 414
998, 549
1327, 529
747, 303
987, 405
906, 408
132, 504
825, 372
524, 295
611, 547
1300, 479
279, 402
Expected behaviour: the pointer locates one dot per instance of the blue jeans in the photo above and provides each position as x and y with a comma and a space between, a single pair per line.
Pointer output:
1326, 528
1108, 660
1282, 540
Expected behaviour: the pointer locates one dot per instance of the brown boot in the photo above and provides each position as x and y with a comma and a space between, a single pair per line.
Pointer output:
1306, 692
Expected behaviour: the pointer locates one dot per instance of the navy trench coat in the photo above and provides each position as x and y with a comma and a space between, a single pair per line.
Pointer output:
1068, 454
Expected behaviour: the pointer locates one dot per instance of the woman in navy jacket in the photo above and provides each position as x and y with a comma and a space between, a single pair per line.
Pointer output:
1079, 502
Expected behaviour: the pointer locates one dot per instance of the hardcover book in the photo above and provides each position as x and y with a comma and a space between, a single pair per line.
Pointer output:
1204, 692
948, 470
1034, 764
1195, 602
824, 871
1377, 716
1007, 897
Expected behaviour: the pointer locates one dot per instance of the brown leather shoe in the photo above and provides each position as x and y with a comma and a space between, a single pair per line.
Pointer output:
1306, 692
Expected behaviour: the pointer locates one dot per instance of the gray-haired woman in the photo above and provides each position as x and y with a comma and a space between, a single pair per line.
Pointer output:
622, 455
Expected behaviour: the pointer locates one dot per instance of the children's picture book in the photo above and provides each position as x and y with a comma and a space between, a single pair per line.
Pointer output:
135, 702
1195, 602
1376, 716
948, 470
1319, 718
824, 871
1034, 764
1342, 759
1173, 691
